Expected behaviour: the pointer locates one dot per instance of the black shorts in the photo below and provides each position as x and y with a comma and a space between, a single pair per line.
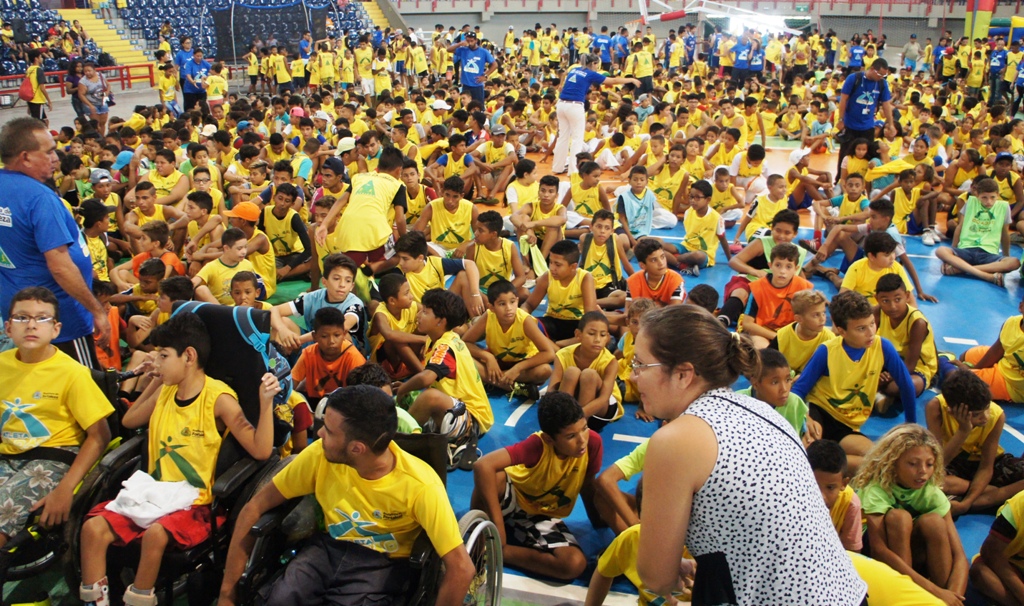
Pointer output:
82, 349
252, 80
606, 67
607, 290
830, 428
1006, 469
557, 329
293, 260
37, 110
554, 64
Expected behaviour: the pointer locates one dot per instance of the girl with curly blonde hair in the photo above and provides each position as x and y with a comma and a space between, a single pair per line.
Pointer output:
909, 526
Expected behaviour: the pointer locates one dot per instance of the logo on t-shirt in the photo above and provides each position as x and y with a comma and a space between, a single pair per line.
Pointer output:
5, 261
5, 217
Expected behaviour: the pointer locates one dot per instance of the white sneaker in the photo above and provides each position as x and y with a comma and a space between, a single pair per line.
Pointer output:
928, 238
939, 237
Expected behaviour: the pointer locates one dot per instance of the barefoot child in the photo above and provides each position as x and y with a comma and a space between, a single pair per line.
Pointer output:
909, 526
982, 234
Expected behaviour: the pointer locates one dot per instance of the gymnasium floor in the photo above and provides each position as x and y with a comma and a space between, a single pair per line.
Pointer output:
969, 313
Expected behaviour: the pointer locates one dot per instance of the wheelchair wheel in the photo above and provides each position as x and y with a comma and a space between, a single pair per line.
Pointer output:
484, 546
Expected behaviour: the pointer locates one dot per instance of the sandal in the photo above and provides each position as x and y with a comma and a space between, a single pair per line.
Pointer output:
949, 270
999, 280
829, 273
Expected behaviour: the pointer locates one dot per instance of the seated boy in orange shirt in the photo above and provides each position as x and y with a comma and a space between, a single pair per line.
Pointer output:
324, 365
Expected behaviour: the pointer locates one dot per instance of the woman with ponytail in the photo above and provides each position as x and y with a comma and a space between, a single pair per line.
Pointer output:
727, 477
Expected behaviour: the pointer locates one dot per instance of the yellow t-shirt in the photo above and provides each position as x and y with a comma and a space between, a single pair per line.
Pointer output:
386, 514
702, 232
764, 210
665, 185
928, 361
466, 386
847, 394
405, 322
184, 441
797, 351
620, 559
365, 226
98, 253
49, 403
216, 87
862, 278
494, 265
976, 438
550, 487
1011, 366
451, 229
566, 302
566, 357
217, 276
512, 345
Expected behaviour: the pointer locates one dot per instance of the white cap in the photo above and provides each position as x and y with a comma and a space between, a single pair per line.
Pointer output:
322, 115
440, 104
345, 144
208, 130
511, 27
798, 154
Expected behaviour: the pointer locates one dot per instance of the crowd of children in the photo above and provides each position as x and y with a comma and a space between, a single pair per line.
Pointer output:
440, 257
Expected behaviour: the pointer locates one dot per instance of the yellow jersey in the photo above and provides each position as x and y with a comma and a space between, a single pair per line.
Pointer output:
976, 439
450, 352
764, 211
798, 351
217, 276
567, 358
847, 394
702, 232
509, 346
928, 361
550, 487
451, 229
862, 278
494, 265
1011, 366
565, 302
283, 238
405, 322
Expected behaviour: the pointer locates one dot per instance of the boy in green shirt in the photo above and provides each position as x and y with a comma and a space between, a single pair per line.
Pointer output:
981, 235
773, 386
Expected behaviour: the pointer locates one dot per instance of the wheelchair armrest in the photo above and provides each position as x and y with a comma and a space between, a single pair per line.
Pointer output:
272, 519
422, 551
123, 453
234, 478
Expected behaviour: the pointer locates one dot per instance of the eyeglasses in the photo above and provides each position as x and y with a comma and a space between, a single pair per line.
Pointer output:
23, 319
203, 180
637, 366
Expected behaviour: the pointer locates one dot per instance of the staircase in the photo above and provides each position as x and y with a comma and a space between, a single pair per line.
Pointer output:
108, 37
375, 13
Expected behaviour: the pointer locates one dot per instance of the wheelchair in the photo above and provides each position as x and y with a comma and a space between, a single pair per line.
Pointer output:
240, 356
34, 550
278, 534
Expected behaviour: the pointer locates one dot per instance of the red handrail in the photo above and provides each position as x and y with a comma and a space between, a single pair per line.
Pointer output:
124, 77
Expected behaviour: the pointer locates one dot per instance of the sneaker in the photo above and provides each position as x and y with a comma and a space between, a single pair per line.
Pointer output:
724, 319
939, 236
1016, 238
928, 238
808, 245
527, 391
690, 270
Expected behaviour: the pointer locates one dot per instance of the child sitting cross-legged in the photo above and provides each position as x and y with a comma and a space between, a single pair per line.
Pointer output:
828, 462
569, 290
394, 342
588, 371
184, 398
997, 570
980, 237
528, 488
841, 379
908, 521
910, 333
979, 475
517, 356
705, 230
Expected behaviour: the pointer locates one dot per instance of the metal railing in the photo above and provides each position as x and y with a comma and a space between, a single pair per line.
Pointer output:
124, 75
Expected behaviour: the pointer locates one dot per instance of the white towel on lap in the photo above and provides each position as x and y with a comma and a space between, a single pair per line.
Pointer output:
144, 500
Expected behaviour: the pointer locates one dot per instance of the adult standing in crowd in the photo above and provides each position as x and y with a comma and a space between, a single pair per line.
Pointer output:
40, 243
911, 53
862, 94
572, 113
76, 70
92, 92
183, 56
192, 80
697, 478
477, 64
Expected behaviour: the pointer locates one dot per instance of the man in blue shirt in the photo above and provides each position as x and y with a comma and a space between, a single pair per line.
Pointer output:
620, 44
602, 44
378, 37
741, 60
40, 243
192, 75
996, 71
862, 93
477, 63
690, 44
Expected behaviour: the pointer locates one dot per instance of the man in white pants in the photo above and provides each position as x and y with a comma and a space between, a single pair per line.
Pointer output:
572, 112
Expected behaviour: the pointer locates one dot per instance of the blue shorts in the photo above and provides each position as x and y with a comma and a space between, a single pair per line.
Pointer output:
977, 256
913, 227
400, 67
805, 203
911, 65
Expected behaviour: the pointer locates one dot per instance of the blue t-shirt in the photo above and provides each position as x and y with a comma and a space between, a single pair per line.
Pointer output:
937, 53
603, 44
757, 61
32, 221
182, 57
578, 82
857, 56
198, 71
308, 303
303, 49
742, 60
997, 61
474, 63
621, 44
863, 102
378, 37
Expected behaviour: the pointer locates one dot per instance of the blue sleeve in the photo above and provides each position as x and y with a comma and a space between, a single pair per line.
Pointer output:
467, 160
884, 94
595, 78
816, 368
848, 85
838, 200
897, 369
49, 234
443, 160
452, 266
265, 196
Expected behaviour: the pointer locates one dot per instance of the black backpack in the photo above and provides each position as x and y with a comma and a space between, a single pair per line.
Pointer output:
106, 60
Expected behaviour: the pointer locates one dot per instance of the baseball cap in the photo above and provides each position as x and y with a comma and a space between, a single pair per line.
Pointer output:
511, 27
440, 104
1004, 156
798, 154
498, 130
208, 130
244, 124
642, 97
471, 35
123, 159
244, 210
100, 175
335, 165
298, 112
913, 35
346, 144
322, 115
92, 210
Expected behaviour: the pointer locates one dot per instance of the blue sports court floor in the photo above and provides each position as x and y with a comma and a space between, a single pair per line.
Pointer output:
969, 313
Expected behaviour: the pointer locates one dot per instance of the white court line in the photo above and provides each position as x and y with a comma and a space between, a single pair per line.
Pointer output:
542, 592
921, 256
958, 341
1013, 432
518, 413
626, 438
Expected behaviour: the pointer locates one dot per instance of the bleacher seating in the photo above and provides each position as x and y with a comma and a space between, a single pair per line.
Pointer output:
144, 18
37, 22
